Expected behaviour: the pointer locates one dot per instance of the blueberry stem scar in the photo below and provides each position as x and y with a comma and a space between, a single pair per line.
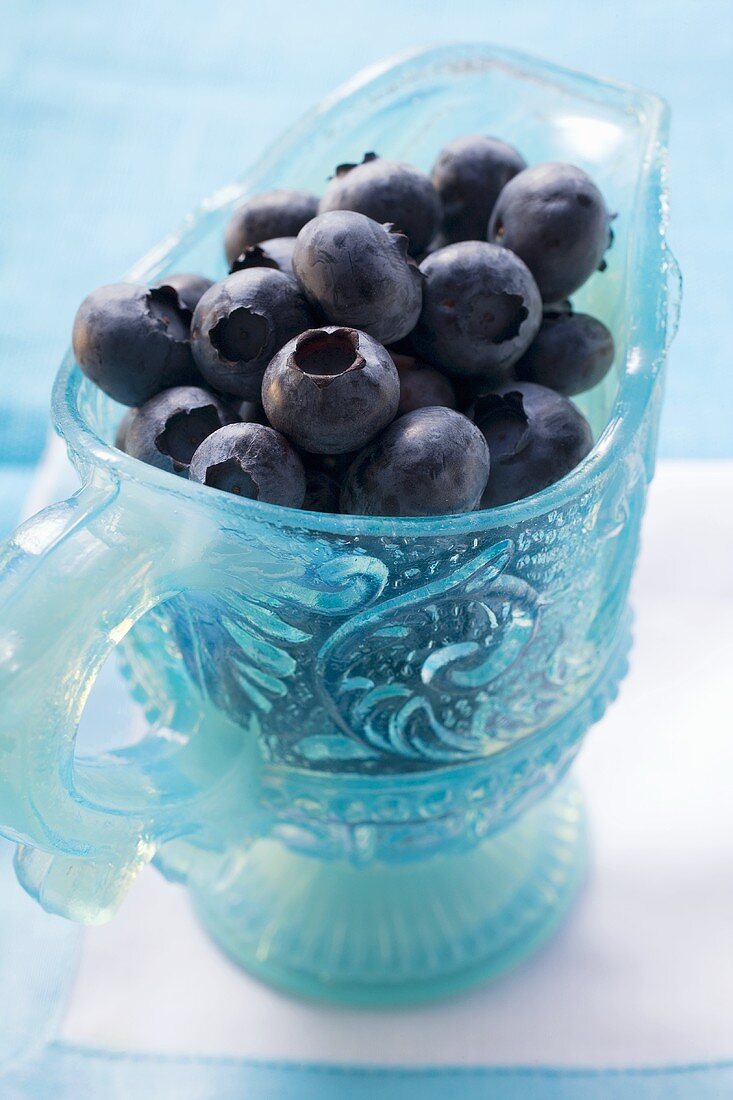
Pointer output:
241, 335
325, 356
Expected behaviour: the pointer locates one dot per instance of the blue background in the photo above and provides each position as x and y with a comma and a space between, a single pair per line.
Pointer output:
117, 117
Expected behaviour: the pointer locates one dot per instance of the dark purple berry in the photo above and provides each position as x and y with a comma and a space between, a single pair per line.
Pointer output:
468, 175
134, 341
250, 412
240, 323
429, 462
571, 353
481, 310
276, 254
189, 288
170, 426
280, 213
331, 390
333, 465
123, 428
321, 492
554, 217
250, 460
564, 305
421, 386
387, 191
535, 437
402, 347
357, 273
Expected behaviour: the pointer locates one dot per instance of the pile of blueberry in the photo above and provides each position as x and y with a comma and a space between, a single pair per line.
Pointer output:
403, 346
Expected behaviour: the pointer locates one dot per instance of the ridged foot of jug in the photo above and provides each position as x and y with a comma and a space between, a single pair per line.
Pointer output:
389, 934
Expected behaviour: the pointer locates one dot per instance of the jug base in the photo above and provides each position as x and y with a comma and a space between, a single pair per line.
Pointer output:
392, 935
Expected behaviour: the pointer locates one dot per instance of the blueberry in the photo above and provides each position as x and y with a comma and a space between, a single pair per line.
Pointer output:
563, 305
356, 271
133, 341
276, 254
123, 428
439, 241
571, 353
333, 465
189, 288
251, 460
429, 462
387, 191
240, 323
466, 390
250, 412
554, 217
402, 347
470, 392
481, 310
280, 213
535, 437
468, 175
170, 426
321, 492
421, 386
331, 390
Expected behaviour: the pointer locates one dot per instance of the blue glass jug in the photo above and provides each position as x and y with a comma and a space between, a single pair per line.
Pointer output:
359, 728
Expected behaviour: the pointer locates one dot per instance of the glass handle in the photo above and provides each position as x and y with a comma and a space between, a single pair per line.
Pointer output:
73, 580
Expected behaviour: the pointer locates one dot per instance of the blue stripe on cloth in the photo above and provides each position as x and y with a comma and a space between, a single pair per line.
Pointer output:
69, 1073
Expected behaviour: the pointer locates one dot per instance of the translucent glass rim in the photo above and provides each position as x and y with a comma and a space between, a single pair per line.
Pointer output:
647, 338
